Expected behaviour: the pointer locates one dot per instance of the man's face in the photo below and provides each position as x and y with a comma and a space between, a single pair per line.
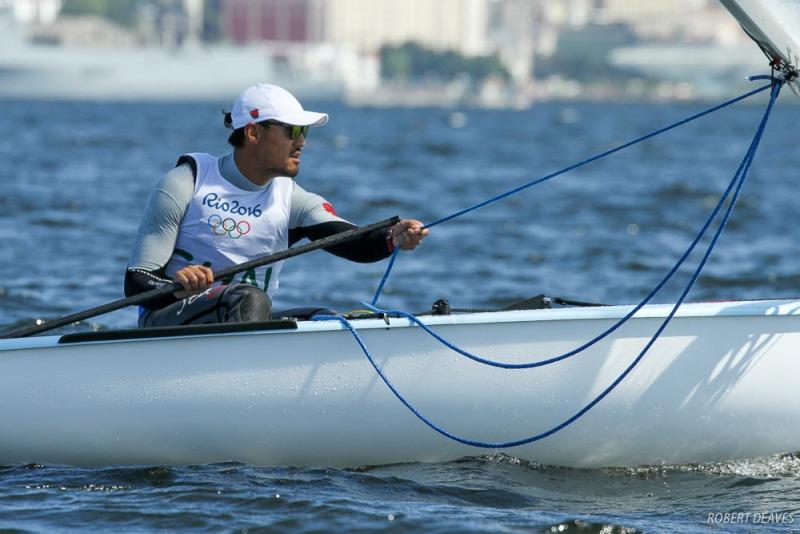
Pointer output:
276, 153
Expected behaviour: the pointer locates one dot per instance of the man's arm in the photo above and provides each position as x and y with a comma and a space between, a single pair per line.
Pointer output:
313, 217
158, 232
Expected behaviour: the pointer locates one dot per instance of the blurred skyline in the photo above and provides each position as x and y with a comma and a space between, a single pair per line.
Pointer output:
488, 53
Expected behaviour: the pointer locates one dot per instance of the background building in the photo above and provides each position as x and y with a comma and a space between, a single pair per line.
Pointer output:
245, 21
459, 25
33, 11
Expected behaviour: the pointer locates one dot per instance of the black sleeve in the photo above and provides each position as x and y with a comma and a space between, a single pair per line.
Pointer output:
368, 248
140, 280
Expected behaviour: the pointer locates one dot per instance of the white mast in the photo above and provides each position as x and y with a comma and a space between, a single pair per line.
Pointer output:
775, 26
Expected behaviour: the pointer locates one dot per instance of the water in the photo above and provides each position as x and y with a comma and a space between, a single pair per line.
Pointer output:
75, 179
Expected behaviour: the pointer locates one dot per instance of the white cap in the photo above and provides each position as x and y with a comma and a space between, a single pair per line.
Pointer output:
263, 102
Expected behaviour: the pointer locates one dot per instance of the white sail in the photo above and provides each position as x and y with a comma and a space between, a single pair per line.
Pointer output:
775, 26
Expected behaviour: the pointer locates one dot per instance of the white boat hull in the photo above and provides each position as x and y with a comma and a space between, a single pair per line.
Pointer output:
719, 384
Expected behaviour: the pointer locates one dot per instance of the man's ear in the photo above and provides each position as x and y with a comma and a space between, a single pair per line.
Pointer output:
252, 132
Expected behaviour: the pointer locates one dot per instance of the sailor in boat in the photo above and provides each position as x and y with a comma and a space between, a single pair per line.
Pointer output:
214, 212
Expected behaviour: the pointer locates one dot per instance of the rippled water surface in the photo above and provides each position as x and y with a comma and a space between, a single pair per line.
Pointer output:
75, 177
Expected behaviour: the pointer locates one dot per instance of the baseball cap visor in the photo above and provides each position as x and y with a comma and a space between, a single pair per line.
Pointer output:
304, 118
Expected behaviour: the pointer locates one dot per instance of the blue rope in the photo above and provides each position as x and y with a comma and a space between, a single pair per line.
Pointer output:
599, 337
573, 167
597, 157
385, 277
745, 167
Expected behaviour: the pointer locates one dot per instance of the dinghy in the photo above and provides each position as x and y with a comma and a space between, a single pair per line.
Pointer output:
720, 383
717, 382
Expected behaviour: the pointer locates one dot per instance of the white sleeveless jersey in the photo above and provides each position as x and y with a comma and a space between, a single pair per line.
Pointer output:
224, 226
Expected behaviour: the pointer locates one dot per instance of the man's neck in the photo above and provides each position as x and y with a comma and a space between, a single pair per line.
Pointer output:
230, 172
248, 169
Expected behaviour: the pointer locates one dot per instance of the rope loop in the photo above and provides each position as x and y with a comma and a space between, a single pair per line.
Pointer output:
736, 185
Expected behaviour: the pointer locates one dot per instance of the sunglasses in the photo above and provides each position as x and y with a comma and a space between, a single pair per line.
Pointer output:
293, 130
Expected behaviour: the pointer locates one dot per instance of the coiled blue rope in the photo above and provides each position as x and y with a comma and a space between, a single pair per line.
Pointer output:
550, 176
740, 178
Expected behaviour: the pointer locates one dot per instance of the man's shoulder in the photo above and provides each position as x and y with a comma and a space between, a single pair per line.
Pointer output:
178, 183
303, 197
193, 159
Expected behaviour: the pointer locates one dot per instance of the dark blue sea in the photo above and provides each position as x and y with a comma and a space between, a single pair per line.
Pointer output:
75, 177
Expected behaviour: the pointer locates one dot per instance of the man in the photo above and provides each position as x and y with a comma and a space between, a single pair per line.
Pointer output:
209, 213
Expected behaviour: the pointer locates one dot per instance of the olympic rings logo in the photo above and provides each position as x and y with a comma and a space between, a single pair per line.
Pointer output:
228, 227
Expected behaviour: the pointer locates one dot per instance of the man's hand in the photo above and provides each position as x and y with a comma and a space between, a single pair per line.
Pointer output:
408, 234
194, 279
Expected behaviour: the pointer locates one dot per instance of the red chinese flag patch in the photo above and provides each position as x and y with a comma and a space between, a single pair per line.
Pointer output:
254, 113
329, 208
